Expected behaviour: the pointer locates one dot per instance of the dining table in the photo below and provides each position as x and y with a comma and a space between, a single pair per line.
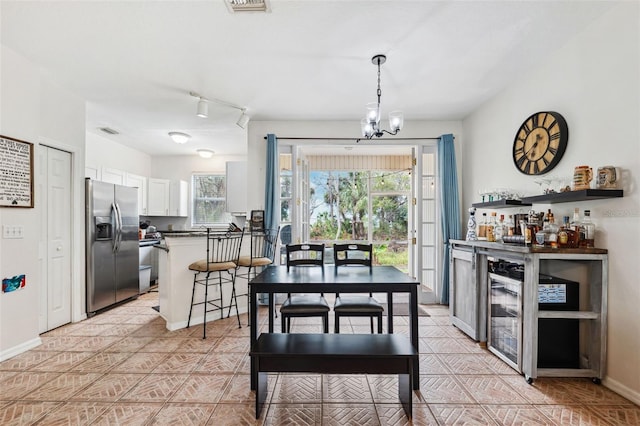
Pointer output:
276, 279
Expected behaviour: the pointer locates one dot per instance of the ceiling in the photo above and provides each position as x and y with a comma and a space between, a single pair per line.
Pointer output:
135, 62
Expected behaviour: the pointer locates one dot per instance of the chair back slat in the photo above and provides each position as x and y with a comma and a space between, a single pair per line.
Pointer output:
353, 254
223, 246
263, 243
305, 254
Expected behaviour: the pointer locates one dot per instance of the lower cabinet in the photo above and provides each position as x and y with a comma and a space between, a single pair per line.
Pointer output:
559, 301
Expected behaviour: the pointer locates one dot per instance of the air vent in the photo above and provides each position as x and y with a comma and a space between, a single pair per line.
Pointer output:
247, 5
108, 130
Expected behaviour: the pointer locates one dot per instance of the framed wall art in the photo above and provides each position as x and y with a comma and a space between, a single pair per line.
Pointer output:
16, 173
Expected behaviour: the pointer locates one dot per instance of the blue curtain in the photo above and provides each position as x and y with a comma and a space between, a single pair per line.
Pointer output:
271, 184
449, 205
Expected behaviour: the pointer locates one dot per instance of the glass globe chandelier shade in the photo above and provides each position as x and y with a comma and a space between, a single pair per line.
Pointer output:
370, 125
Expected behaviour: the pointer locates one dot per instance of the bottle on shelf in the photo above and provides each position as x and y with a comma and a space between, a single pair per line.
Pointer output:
491, 227
589, 231
576, 225
498, 232
482, 227
552, 231
563, 233
511, 226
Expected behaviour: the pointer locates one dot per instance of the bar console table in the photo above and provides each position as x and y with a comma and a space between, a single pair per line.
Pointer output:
470, 307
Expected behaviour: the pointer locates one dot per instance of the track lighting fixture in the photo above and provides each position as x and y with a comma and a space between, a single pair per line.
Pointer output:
243, 120
203, 108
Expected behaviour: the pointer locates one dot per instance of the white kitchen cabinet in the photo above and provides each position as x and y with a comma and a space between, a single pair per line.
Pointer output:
168, 198
158, 197
139, 182
115, 176
92, 172
179, 198
236, 179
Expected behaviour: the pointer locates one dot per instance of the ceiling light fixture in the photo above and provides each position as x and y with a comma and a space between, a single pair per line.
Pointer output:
203, 108
179, 137
205, 153
370, 125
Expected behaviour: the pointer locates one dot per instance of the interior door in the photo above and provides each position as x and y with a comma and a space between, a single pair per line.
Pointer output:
55, 178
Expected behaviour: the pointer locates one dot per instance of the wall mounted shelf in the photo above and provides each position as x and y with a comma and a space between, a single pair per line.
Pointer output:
501, 203
574, 196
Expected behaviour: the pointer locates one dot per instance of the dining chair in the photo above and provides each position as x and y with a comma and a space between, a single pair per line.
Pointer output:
348, 255
223, 250
304, 305
261, 253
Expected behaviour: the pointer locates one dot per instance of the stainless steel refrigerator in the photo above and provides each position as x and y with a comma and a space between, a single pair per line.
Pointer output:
112, 259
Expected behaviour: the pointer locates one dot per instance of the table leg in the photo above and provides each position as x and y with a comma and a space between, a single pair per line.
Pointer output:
413, 329
253, 320
271, 310
390, 313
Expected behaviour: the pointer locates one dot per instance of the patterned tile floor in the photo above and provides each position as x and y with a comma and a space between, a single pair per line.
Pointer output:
122, 367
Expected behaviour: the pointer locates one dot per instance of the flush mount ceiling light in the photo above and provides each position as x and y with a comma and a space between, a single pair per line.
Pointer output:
203, 108
370, 125
179, 137
205, 153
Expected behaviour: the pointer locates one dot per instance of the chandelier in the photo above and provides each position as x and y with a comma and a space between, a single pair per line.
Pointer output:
370, 125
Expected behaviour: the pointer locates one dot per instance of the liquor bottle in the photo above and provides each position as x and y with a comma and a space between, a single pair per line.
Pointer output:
482, 227
576, 225
552, 231
511, 227
499, 229
589, 230
563, 233
491, 227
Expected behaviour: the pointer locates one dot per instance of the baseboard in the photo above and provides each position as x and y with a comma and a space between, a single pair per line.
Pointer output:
17, 350
622, 390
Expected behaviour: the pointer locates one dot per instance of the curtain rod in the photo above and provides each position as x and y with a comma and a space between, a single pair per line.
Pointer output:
354, 139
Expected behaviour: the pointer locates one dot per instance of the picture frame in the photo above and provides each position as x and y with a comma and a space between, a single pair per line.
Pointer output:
257, 220
16, 173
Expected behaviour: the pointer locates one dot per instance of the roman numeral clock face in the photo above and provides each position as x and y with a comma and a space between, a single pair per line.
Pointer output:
540, 143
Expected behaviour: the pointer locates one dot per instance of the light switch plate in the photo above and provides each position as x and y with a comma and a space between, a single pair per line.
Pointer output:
12, 231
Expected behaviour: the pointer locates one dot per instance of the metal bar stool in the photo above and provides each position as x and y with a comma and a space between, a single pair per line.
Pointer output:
223, 250
261, 254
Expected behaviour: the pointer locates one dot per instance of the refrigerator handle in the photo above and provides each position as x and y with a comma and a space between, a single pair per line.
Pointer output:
120, 225
116, 234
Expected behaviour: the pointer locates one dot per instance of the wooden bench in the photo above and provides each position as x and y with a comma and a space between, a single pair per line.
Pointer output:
334, 354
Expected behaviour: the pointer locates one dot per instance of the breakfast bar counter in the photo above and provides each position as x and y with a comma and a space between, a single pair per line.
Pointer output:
175, 280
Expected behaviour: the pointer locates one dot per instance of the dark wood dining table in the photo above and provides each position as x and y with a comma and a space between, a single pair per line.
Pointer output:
329, 279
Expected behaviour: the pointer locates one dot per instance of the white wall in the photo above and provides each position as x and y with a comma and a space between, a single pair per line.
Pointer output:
37, 110
593, 82
102, 152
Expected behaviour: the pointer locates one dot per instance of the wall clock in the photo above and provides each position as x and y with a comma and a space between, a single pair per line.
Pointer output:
540, 143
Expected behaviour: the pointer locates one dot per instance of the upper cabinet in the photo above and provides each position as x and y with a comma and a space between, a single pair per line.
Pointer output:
179, 198
168, 198
115, 176
158, 197
139, 182
236, 179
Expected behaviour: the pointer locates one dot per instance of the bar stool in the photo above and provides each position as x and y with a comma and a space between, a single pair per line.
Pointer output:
261, 254
223, 250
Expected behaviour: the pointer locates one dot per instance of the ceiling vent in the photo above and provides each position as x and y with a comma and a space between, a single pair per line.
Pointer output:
108, 131
247, 5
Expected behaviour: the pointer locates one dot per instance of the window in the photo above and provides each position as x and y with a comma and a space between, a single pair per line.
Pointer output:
209, 200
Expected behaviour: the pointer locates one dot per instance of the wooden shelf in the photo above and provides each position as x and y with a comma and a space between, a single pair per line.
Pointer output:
500, 203
573, 196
